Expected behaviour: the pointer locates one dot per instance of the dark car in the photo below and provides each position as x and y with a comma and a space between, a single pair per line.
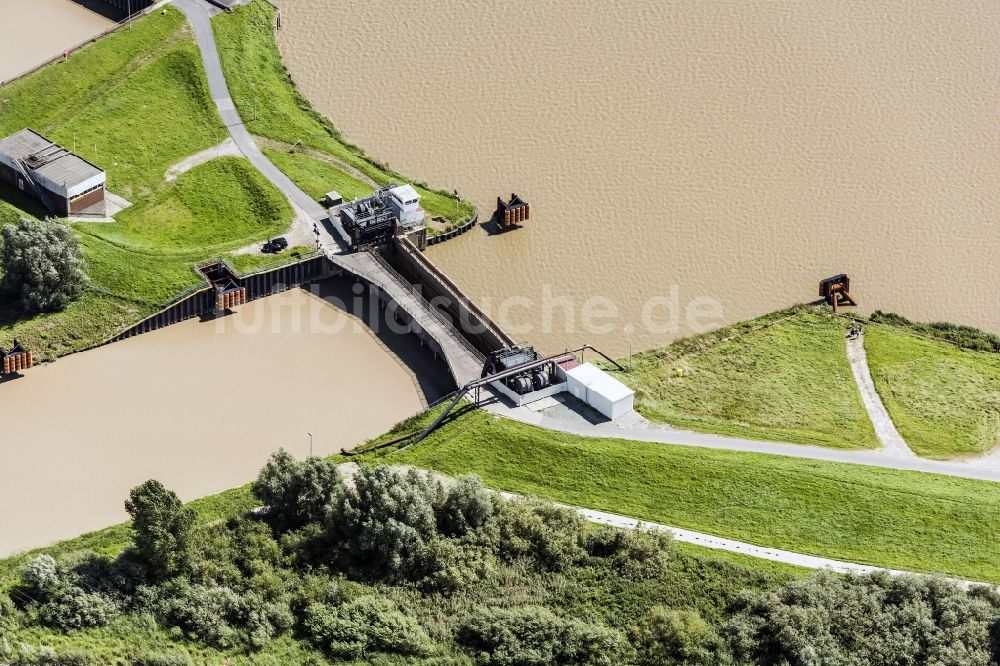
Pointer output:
275, 245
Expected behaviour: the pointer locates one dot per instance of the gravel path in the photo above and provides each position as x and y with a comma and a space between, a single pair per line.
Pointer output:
885, 429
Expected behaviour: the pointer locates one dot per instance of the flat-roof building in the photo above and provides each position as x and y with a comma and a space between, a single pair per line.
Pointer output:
405, 203
600, 390
66, 184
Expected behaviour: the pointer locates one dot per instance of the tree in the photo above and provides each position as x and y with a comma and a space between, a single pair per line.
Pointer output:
467, 507
682, 637
162, 527
42, 265
387, 519
296, 493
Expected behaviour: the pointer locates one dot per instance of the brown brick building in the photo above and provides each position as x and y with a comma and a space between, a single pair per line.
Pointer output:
66, 184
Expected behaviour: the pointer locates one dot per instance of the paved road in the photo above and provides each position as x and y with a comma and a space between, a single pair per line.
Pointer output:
200, 15
987, 468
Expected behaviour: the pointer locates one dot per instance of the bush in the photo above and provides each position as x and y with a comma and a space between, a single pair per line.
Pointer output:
681, 637
162, 529
467, 507
635, 554
548, 534
297, 493
531, 636
451, 565
41, 576
877, 620
387, 519
223, 618
363, 626
72, 607
42, 265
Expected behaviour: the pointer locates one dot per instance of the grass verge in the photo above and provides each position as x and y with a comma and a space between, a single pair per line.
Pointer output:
944, 400
784, 377
251, 62
889, 518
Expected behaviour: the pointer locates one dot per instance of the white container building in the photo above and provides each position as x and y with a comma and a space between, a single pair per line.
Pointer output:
600, 390
405, 202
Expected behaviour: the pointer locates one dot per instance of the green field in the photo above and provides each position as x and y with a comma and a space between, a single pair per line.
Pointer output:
784, 377
889, 518
251, 61
944, 400
133, 103
219, 205
316, 177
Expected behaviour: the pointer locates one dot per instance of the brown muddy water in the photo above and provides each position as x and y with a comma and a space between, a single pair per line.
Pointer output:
714, 156
198, 406
32, 31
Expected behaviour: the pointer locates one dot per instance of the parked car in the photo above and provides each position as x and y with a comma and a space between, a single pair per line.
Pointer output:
275, 245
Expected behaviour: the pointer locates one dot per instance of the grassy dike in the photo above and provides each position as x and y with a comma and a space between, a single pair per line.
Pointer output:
943, 398
251, 61
783, 376
889, 518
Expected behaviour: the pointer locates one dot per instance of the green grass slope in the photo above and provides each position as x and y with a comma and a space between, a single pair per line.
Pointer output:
133, 103
221, 204
944, 400
251, 62
317, 177
781, 377
889, 518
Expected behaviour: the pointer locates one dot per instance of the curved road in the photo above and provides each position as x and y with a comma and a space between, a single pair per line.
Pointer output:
199, 15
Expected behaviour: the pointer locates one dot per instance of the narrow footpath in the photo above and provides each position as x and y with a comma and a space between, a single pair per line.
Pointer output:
200, 17
885, 429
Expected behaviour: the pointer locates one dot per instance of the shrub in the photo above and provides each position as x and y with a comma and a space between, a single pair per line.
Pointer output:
72, 607
296, 493
162, 529
223, 618
874, 619
548, 534
635, 554
531, 636
467, 507
41, 576
451, 565
363, 626
387, 519
668, 636
42, 265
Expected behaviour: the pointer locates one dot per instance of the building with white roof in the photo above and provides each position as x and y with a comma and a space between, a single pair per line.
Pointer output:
405, 202
600, 390
66, 183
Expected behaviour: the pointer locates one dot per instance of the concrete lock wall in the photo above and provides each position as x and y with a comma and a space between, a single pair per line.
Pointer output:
257, 285
434, 286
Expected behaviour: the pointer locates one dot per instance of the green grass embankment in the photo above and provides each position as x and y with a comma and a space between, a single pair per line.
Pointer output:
784, 377
134, 103
251, 62
944, 400
889, 518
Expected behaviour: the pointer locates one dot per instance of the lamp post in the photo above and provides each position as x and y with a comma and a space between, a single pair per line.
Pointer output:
310, 444
629, 338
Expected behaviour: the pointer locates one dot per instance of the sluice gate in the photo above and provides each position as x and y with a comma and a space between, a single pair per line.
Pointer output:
226, 289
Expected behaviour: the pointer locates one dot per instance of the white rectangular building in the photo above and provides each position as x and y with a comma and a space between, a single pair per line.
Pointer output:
600, 390
405, 202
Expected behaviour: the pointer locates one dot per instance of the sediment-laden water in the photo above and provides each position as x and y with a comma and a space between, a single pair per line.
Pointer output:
197, 405
32, 31
696, 162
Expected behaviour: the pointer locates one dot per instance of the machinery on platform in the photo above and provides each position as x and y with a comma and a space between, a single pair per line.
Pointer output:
15, 360
369, 222
534, 377
510, 214
228, 291
836, 291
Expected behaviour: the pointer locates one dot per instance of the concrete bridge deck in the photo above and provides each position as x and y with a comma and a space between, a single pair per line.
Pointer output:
464, 361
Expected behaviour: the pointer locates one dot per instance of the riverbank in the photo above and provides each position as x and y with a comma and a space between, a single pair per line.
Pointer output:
199, 405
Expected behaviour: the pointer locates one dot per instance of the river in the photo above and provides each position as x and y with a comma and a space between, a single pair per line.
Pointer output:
198, 406
32, 31
692, 163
